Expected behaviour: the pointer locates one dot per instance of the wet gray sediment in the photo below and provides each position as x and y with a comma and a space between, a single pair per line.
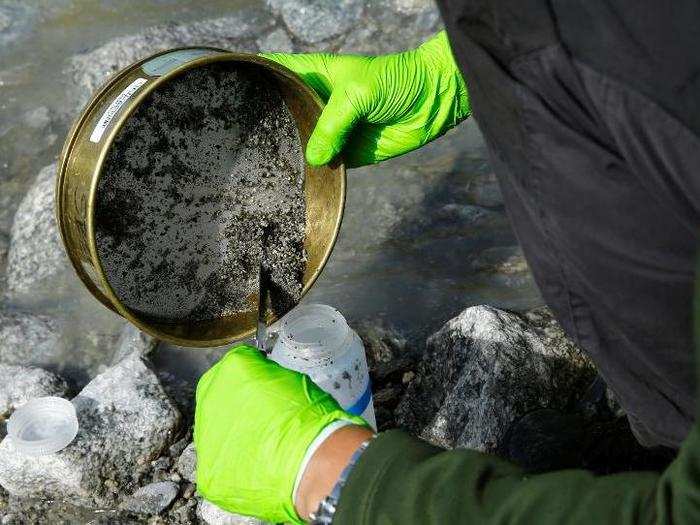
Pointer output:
203, 166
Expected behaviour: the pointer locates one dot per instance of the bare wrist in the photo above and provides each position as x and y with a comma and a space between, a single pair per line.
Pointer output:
325, 467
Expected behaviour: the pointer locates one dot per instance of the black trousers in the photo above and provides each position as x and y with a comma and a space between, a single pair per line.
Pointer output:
591, 110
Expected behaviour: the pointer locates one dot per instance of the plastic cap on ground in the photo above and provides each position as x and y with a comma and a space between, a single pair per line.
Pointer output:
42, 426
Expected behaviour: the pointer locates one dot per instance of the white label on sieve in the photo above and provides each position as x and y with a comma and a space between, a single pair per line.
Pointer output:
114, 108
163, 64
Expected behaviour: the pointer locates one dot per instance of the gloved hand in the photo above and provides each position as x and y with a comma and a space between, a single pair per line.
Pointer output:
254, 421
380, 107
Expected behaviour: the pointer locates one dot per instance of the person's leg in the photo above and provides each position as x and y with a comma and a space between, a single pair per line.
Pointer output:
599, 183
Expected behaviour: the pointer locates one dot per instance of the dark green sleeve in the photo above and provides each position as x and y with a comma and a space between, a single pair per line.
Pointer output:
400, 479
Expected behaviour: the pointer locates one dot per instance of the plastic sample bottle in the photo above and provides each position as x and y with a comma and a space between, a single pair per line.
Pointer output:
316, 340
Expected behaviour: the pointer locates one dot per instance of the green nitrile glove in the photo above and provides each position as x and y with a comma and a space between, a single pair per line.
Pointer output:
392, 104
254, 421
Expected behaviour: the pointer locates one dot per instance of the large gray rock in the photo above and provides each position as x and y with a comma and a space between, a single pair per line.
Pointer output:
237, 32
152, 499
484, 369
19, 384
133, 341
213, 515
28, 338
316, 20
125, 419
36, 253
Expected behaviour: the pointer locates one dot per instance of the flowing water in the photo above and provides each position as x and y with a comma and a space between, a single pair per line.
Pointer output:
416, 233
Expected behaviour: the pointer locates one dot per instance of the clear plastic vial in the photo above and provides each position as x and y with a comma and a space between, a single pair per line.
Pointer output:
316, 340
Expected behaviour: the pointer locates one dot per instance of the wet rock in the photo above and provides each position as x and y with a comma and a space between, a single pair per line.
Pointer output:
125, 420
187, 463
133, 341
382, 343
213, 515
317, 20
236, 32
19, 384
484, 369
152, 499
278, 41
36, 254
28, 338
505, 260
16, 21
467, 213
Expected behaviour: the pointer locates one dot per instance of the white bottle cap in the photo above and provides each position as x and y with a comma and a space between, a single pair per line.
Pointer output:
43, 426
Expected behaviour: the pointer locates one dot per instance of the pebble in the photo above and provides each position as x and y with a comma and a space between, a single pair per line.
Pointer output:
187, 463
152, 499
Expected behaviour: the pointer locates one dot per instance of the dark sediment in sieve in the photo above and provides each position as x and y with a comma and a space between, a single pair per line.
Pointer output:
206, 163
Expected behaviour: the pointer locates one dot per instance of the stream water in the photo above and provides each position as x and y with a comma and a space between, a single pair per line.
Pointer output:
414, 233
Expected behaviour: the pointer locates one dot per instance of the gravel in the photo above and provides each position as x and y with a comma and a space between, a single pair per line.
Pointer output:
181, 213
125, 419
